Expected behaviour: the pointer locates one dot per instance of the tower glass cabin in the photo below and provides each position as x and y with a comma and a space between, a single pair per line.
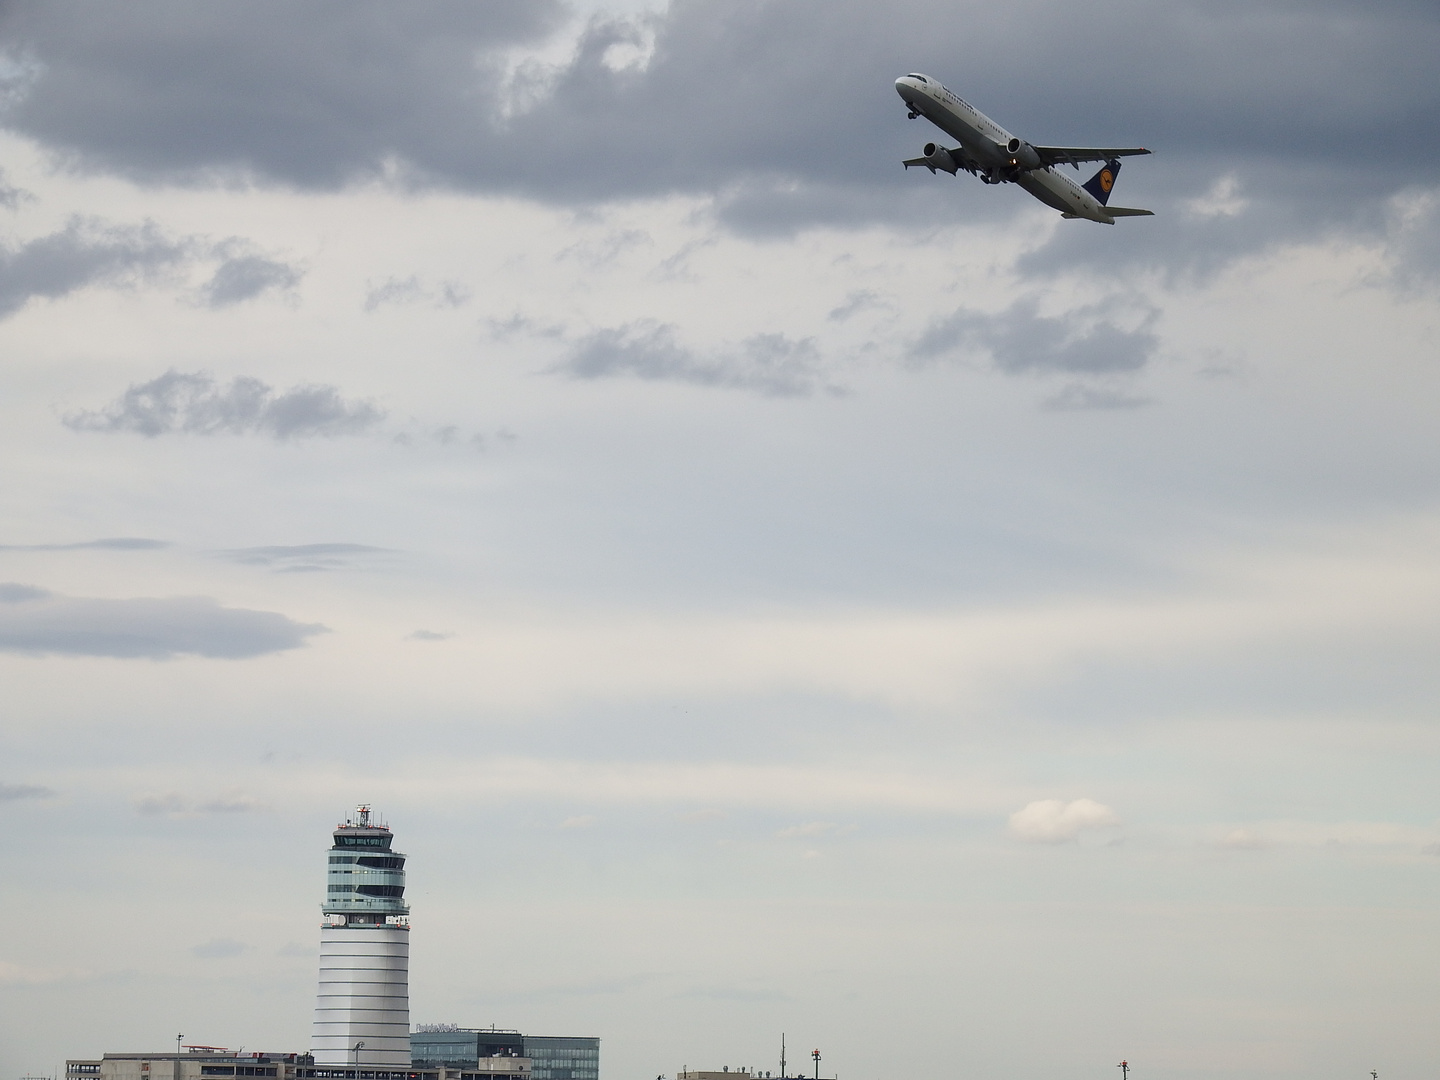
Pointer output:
362, 1012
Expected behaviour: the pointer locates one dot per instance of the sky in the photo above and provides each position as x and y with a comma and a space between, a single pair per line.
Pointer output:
765, 590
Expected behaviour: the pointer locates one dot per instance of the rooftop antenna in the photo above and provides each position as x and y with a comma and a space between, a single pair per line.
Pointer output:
1124, 1068
816, 1055
782, 1056
363, 813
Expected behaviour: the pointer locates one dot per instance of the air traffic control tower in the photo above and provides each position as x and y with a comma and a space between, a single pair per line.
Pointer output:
362, 1013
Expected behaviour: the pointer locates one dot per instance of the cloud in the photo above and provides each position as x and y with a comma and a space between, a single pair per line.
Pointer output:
1430, 849
1054, 821
428, 635
411, 290
173, 804
474, 97
1243, 839
809, 828
580, 821
10, 196
772, 364
219, 949
85, 252
20, 975
196, 404
1085, 341
38, 622
14, 593
1078, 396
304, 558
111, 543
244, 277
14, 792
856, 302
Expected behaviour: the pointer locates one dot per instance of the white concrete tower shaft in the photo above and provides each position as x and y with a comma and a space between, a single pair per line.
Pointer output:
362, 1012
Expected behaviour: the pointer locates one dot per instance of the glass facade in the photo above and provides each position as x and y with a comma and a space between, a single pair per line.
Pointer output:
556, 1058
364, 874
550, 1057
462, 1047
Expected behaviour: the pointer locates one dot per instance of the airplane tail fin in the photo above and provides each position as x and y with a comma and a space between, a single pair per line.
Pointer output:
1100, 184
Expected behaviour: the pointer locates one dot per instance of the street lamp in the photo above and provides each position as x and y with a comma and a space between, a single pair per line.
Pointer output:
356, 1048
1124, 1068
816, 1055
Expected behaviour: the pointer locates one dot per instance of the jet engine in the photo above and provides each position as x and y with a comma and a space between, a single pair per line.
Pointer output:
937, 157
1022, 155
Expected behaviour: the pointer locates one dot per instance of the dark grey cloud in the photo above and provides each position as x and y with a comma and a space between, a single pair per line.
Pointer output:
782, 108
109, 543
769, 363
305, 558
858, 301
244, 277
36, 621
311, 94
1086, 341
194, 403
86, 252
15, 792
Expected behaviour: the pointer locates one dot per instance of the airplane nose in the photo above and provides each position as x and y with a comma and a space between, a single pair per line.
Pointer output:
902, 87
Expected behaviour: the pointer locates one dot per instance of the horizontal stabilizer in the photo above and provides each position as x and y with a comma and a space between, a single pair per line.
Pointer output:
1127, 211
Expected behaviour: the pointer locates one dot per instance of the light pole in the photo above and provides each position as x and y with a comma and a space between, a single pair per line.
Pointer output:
356, 1048
177, 1044
816, 1055
1124, 1068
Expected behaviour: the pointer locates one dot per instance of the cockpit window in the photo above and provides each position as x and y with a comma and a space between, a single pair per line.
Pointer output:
920, 77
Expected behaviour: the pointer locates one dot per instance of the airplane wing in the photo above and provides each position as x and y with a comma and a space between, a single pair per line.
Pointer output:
1128, 211
1073, 155
958, 156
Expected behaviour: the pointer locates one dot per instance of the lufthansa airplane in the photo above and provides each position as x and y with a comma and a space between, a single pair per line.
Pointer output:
990, 152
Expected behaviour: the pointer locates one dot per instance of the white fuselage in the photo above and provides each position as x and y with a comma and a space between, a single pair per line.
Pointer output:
987, 142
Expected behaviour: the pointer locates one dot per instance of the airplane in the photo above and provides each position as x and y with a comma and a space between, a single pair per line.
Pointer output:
990, 152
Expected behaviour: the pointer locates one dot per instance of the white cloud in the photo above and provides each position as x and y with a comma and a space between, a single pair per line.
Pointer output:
1054, 821
23, 975
1222, 199
809, 828
1243, 839
173, 804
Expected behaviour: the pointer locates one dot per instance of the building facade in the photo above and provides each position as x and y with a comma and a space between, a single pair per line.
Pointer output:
557, 1057
506, 1053
190, 1063
362, 1009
